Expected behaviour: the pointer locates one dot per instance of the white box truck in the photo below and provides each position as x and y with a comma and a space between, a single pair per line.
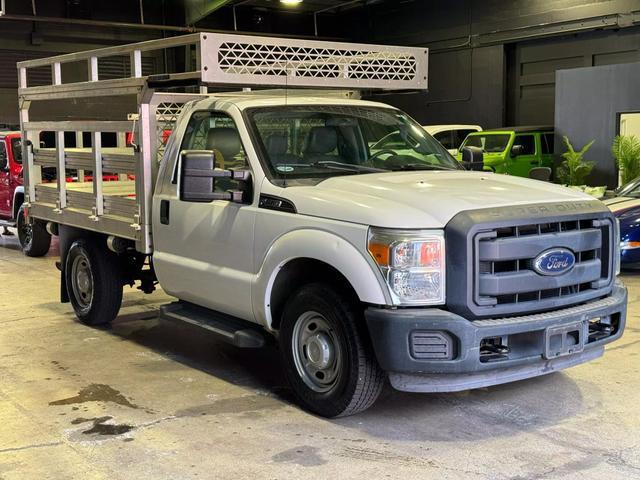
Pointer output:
270, 213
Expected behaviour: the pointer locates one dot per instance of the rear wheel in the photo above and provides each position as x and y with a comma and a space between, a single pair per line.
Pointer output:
327, 354
94, 282
34, 238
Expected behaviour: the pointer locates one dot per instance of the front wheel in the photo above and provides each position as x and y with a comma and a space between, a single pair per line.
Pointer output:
94, 282
327, 354
34, 238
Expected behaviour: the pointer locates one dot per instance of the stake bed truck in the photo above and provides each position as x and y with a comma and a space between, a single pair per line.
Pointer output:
274, 215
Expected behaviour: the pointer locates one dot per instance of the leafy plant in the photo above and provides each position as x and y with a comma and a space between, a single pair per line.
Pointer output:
574, 170
626, 150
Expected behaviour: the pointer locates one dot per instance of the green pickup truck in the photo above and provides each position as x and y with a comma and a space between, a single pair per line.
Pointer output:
513, 150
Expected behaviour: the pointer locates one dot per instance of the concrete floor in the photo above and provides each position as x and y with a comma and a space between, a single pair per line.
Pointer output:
148, 399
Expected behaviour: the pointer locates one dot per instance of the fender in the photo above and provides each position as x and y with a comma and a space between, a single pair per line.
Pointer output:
362, 273
14, 206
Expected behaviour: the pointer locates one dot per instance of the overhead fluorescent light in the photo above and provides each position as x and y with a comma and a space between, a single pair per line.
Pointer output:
291, 2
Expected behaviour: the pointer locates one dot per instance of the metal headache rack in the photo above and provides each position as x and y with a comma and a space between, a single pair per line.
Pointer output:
122, 207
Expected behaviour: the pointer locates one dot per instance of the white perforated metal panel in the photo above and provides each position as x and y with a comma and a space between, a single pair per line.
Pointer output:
240, 59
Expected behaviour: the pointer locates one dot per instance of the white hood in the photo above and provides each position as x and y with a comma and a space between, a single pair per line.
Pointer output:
420, 199
618, 204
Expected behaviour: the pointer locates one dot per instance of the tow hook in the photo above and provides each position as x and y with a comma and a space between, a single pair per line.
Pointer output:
490, 350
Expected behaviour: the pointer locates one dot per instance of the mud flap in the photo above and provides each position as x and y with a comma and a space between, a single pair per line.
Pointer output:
64, 294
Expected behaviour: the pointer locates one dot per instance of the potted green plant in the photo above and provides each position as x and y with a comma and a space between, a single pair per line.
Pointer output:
574, 170
626, 151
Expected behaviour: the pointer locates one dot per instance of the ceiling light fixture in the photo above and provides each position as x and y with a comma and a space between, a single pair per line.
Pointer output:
291, 3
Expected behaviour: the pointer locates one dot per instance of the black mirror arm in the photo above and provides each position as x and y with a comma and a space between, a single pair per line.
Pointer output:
239, 175
235, 196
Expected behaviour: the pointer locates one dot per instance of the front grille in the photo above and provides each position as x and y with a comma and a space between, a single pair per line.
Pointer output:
499, 276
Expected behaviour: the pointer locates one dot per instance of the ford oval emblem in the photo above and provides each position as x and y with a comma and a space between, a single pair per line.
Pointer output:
555, 261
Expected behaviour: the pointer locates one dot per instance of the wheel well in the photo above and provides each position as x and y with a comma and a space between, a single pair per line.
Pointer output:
303, 271
17, 203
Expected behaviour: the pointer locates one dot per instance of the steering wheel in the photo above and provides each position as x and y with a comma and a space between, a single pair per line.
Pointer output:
384, 151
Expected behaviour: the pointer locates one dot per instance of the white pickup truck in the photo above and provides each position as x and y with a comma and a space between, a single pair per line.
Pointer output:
270, 214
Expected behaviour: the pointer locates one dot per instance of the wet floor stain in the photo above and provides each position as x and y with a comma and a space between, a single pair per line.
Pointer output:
241, 405
100, 427
96, 392
304, 456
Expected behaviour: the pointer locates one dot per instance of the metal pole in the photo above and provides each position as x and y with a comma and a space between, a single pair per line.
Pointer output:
61, 173
141, 13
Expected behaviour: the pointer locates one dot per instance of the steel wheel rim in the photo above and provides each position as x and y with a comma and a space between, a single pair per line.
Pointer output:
27, 233
82, 282
317, 353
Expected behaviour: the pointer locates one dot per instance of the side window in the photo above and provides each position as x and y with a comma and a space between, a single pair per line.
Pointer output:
528, 143
215, 131
445, 138
547, 143
4, 160
16, 149
459, 136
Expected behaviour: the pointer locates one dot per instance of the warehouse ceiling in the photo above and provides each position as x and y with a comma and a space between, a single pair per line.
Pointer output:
199, 9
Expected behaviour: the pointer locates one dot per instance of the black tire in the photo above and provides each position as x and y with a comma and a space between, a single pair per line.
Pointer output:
34, 238
352, 380
94, 282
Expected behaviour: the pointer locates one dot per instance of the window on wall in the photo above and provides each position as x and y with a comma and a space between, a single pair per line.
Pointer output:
527, 142
630, 124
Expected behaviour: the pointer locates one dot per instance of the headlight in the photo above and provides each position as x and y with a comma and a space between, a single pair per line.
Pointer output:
412, 263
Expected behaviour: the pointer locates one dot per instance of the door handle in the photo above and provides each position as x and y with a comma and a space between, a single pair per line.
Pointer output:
164, 212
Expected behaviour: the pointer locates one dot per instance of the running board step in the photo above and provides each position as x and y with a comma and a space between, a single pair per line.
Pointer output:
229, 329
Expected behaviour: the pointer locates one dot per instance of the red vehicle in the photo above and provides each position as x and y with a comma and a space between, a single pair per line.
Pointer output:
34, 238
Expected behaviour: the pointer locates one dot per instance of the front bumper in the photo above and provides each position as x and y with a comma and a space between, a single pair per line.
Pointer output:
407, 343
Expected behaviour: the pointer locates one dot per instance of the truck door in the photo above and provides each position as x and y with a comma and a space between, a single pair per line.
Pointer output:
203, 252
546, 144
527, 158
5, 180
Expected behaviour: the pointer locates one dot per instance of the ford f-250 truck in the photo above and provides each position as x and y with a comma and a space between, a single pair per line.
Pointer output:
273, 215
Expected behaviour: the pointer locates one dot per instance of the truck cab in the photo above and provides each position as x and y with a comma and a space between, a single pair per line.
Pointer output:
35, 241
334, 226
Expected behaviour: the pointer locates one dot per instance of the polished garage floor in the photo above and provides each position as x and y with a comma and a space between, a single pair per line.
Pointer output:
148, 399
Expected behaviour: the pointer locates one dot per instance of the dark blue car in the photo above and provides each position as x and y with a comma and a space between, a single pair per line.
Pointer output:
626, 207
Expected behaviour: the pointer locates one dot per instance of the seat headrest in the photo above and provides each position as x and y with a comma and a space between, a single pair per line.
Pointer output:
277, 144
226, 140
321, 140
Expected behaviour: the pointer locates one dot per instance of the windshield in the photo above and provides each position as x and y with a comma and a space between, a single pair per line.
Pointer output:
16, 148
631, 189
318, 141
488, 143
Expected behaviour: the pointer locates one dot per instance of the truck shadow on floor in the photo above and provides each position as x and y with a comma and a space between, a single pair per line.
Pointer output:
500, 411
196, 348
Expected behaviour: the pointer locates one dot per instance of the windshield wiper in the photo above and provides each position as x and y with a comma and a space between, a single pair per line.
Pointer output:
348, 167
419, 166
